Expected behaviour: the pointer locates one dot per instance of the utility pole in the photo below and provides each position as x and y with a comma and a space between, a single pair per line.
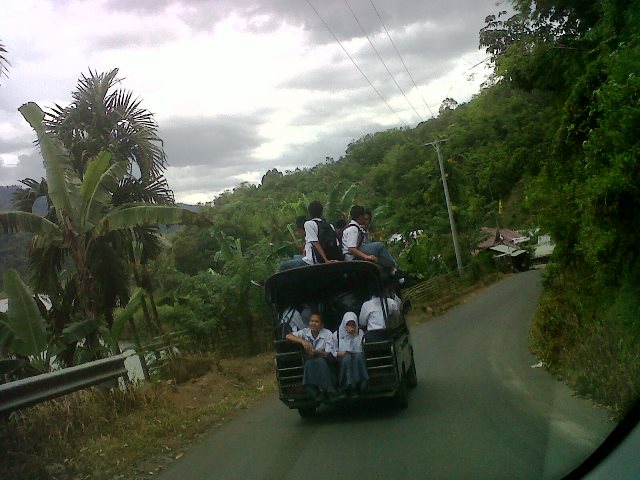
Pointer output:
454, 232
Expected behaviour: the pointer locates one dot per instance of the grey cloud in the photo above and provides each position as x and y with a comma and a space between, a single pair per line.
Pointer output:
424, 53
203, 14
203, 179
216, 142
15, 145
330, 145
139, 6
144, 38
29, 165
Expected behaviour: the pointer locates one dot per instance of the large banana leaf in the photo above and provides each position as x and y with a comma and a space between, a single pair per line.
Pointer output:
63, 182
99, 183
29, 222
78, 330
6, 334
332, 209
349, 197
144, 214
23, 317
127, 313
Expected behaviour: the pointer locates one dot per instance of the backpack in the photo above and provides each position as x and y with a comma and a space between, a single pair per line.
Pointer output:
328, 239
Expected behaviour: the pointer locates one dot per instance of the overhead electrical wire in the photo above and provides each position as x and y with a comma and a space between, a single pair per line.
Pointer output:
400, 57
382, 61
355, 64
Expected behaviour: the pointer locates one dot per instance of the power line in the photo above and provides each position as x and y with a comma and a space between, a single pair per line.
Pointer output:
355, 64
381, 60
400, 57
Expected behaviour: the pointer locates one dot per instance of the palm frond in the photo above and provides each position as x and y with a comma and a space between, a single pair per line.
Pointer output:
155, 191
4, 63
45, 263
104, 118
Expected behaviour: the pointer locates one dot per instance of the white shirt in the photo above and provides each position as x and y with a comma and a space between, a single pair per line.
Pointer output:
371, 315
323, 342
350, 237
310, 235
292, 317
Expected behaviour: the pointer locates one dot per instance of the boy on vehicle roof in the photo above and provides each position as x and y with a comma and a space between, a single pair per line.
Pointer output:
313, 251
353, 245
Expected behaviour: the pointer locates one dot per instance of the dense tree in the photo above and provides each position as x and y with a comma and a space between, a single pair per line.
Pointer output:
82, 231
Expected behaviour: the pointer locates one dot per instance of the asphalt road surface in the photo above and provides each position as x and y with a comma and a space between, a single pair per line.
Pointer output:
480, 411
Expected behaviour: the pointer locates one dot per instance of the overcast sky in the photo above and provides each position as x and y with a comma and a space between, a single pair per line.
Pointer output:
239, 86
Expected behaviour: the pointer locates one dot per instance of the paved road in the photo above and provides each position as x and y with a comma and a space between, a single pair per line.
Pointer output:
479, 412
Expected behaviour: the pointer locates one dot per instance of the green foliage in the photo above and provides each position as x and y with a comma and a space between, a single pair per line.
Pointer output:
591, 335
585, 327
24, 330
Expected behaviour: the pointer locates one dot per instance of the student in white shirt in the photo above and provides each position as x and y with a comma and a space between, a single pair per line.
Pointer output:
311, 242
292, 320
317, 342
353, 246
347, 347
371, 315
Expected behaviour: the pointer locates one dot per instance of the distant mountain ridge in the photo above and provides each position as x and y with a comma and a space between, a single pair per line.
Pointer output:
6, 197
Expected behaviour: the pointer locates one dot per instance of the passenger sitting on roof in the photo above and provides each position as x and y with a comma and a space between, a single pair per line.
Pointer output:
371, 315
347, 345
318, 346
313, 251
353, 245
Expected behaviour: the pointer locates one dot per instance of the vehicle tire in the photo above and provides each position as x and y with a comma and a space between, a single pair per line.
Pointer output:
401, 398
307, 412
412, 375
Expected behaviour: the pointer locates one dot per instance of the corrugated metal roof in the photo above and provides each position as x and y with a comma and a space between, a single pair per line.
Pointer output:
506, 250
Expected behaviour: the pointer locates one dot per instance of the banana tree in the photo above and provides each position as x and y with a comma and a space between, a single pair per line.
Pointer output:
338, 206
85, 215
24, 336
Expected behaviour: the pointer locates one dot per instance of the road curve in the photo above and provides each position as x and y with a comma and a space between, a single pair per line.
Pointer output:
480, 411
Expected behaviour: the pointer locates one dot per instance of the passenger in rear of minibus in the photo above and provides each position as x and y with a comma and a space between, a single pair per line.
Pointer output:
371, 315
317, 342
347, 345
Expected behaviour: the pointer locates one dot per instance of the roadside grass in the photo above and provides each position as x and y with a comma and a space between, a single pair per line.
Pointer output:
101, 434
589, 335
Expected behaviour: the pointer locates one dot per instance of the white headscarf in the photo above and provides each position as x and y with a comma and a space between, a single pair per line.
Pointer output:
346, 342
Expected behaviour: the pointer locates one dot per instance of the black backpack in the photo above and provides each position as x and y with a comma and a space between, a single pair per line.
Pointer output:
328, 239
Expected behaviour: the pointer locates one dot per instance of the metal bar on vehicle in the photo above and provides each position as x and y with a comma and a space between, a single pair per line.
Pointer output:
29, 391
379, 367
371, 359
382, 342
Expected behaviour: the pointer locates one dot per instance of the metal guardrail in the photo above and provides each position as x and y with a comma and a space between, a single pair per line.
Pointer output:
29, 391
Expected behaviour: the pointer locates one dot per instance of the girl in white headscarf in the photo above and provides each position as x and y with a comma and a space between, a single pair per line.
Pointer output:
347, 345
